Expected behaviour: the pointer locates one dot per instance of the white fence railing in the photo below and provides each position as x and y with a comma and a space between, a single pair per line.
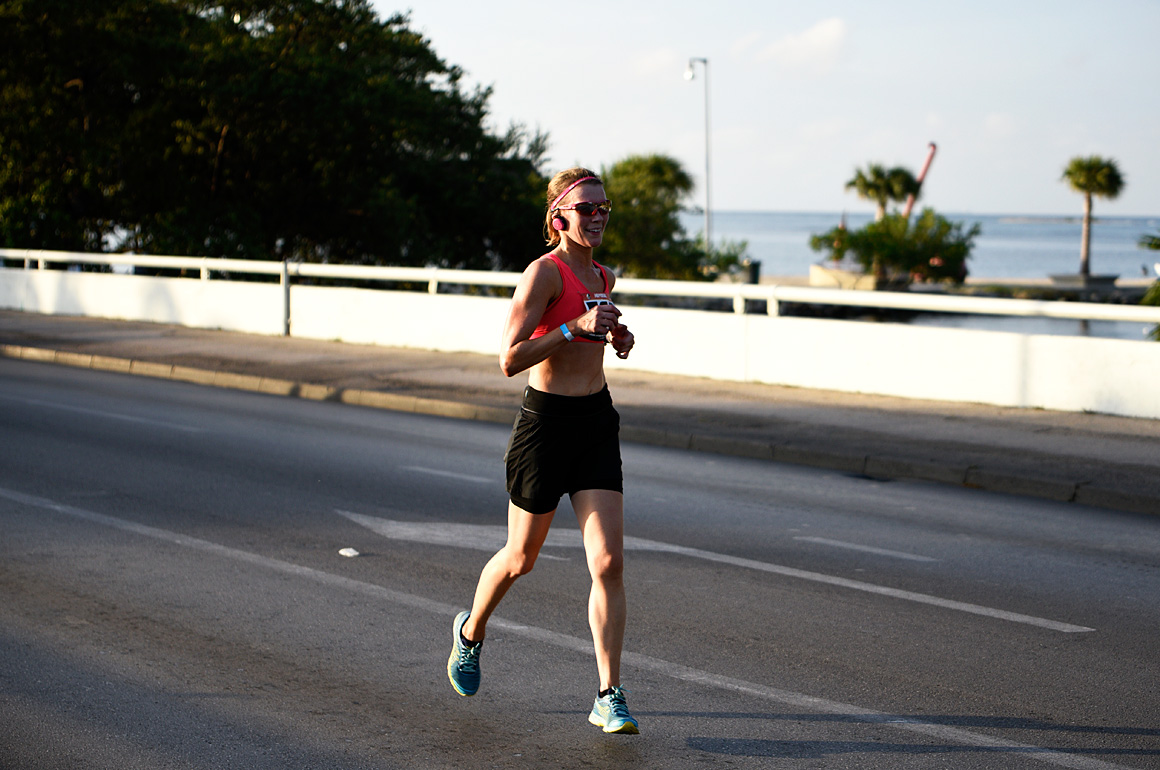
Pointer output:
1049, 371
739, 293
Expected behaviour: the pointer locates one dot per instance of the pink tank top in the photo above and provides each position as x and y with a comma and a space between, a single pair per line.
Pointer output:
574, 301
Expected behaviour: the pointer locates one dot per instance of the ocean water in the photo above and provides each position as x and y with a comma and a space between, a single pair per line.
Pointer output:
1007, 247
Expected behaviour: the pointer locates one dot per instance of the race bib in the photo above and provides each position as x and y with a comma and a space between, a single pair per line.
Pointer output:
591, 301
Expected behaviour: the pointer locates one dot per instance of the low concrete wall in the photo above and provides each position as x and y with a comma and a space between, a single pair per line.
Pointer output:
237, 306
1051, 372
398, 319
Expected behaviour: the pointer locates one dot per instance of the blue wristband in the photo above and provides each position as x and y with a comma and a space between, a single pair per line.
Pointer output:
567, 334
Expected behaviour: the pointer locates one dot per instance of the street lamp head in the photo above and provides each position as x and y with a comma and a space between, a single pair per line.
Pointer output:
690, 73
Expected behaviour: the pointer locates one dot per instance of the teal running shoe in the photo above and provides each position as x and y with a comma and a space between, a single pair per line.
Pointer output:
611, 713
463, 665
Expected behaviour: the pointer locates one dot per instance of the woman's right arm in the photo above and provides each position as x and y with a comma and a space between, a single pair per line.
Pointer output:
538, 286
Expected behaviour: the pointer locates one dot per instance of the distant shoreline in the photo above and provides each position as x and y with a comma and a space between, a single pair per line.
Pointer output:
1044, 220
1006, 218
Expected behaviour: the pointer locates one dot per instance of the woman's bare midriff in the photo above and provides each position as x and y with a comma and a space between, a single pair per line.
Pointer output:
577, 370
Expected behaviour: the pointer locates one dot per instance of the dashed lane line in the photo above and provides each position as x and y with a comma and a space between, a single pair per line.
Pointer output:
583, 646
491, 538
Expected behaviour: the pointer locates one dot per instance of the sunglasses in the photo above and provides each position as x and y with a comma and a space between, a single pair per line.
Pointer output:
588, 208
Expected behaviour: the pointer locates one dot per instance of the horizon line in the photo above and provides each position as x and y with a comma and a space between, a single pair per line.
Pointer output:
1008, 215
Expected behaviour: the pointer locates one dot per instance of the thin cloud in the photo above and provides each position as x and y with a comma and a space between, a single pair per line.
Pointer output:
999, 125
659, 60
816, 50
742, 46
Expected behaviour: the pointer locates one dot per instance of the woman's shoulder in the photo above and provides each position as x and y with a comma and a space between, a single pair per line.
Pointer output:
543, 273
544, 259
547, 265
609, 275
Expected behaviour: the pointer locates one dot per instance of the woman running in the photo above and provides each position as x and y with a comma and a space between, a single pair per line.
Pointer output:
566, 438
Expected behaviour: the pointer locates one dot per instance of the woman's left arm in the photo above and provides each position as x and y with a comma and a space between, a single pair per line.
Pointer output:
619, 337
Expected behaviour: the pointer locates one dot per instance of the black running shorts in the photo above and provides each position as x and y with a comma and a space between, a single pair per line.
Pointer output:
562, 445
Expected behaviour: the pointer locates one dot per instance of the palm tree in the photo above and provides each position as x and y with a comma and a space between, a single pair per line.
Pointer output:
883, 185
1092, 175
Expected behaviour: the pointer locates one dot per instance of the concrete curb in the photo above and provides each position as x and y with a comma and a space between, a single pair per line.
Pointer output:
880, 467
258, 384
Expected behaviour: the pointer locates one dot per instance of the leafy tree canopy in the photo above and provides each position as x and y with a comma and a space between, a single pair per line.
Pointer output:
645, 238
882, 185
1094, 175
1152, 297
929, 248
308, 129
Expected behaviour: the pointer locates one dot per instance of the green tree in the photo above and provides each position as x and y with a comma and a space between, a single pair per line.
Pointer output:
254, 128
1097, 176
1152, 297
931, 248
645, 238
81, 84
882, 185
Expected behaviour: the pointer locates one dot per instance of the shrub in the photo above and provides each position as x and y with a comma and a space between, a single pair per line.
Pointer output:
931, 248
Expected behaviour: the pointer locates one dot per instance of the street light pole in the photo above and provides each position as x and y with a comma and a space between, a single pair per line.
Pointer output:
690, 73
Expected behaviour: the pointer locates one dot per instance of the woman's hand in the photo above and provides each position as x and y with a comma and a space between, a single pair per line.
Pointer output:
599, 321
622, 340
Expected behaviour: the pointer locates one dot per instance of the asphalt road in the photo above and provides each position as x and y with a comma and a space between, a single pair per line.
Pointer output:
175, 597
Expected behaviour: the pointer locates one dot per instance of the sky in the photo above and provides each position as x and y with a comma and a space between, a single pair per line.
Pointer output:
803, 93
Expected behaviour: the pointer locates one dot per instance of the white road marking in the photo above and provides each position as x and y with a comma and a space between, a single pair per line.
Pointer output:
491, 537
100, 413
581, 646
477, 537
865, 548
448, 474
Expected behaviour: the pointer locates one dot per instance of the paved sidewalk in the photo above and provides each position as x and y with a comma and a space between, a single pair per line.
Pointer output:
1092, 459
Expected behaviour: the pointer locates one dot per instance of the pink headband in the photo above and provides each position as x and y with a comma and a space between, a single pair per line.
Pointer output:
567, 190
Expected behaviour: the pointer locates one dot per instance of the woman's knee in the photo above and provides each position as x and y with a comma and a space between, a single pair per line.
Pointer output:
520, 563
606, 566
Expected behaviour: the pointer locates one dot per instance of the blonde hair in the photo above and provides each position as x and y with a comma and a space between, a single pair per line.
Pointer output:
559, 184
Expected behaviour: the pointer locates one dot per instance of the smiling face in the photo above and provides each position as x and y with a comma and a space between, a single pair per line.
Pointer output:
587, 231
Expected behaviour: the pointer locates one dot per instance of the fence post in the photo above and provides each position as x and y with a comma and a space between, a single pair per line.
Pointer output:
771, 305
285, 298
